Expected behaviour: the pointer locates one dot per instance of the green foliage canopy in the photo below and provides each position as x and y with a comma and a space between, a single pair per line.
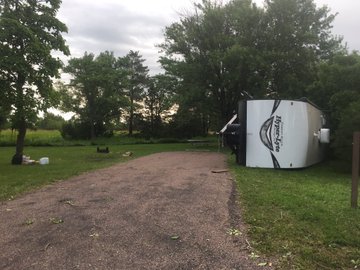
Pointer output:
220, 53
50, 121
96, 91
136, 82
297, 38
29, 32
337, 88
158, 101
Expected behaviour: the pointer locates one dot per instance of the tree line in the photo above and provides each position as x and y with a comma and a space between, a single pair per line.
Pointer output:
214, 56
105, 91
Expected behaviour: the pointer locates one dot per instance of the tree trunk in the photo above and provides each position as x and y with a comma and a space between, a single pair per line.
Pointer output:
21, 122
20, 140
152, 121
92, 113
205, 124
131, 118
92, 131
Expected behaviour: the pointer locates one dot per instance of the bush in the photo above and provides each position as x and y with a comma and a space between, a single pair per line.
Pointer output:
50, 122
75, 129
349, 122
188, 128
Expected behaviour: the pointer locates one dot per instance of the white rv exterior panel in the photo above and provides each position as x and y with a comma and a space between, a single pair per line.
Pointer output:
280, 134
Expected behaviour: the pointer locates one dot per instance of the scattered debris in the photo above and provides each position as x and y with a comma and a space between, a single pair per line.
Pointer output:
175, 237
248, 244
104, 150
219, 171
27, 161
44, 161
70, 203
127, 154
56, 220
356, 263
253, 255
29, 222
262, 264
288, 254
234, 232
95, 235
46, 246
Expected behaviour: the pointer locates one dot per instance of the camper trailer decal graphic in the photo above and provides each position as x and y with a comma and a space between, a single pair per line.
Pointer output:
265, 135
271, 133
275, 162
276, 105
278, 131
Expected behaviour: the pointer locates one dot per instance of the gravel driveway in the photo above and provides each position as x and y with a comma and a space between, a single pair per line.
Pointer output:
164, 211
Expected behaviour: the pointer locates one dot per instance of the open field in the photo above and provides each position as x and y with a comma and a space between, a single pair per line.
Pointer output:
39, 137
68, 161
301, 216
53, 138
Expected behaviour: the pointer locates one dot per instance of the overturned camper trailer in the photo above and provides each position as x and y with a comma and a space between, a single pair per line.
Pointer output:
286, 134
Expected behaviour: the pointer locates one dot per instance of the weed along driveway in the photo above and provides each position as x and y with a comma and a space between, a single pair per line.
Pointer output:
164, 211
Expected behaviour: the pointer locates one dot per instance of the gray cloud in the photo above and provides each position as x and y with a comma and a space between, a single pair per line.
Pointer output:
120, 26
347, 21
96, 26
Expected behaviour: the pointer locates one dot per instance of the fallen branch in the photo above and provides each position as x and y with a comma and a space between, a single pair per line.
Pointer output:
219, 171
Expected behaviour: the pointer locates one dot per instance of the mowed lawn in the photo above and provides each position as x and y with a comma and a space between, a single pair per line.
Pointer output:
65, 162
300, 219
303, 217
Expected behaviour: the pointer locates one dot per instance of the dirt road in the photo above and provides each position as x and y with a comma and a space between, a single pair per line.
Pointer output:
164, 211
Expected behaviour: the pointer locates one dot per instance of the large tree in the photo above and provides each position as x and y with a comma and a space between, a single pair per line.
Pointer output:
219, 60
223, 53
29, 33
95, 92
297, 38
337, 89
137, 82
5, 108
158, 100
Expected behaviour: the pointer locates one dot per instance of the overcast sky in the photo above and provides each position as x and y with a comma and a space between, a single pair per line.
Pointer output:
124, 25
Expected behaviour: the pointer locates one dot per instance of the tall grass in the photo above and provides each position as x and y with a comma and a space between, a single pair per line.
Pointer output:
54, 138
35, 138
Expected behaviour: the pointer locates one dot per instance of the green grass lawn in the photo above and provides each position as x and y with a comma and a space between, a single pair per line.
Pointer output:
67, 161
302, 217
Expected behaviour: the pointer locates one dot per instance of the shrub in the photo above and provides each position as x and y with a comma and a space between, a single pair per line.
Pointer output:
348, 123
50, 122
75, 129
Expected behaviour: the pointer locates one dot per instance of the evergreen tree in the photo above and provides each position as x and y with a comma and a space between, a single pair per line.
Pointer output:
137, 82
